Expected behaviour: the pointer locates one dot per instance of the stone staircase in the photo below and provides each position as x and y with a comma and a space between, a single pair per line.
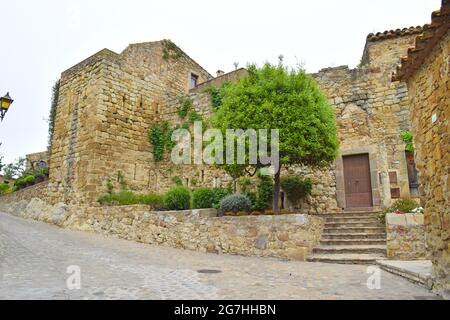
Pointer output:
353, 237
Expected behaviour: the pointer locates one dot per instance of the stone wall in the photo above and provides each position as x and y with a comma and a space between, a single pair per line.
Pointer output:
286, 236
109, 102
405, 236
429, 90
38, 190
371, 112
106, 107
38, 160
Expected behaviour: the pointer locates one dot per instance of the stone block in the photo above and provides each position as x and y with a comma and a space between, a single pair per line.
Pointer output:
297, 254
261, 242
395, 219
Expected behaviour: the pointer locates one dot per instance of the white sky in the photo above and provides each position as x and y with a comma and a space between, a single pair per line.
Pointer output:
40, 39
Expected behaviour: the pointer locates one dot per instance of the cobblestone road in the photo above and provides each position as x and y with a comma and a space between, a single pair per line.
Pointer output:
34, 258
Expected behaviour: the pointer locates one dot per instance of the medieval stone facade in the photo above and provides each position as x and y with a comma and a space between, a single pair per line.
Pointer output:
427, 72
108, 103
35, 161
106, 106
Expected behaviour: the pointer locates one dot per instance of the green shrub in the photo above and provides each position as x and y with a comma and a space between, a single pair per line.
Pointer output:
296, 188
235, 203
124, 198
121, 198
39, 174
30, 179
265, 193
208, 198
408, 138
219, 194
203, 198
20, 183
404, 205
252, 196
151, 199
177, 198
4, 188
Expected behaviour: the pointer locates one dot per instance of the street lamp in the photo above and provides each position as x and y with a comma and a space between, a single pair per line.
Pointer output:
5, 102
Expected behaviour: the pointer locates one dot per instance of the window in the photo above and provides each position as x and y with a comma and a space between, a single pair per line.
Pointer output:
194, 80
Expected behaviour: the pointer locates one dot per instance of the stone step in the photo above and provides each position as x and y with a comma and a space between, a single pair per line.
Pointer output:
353, 236
346, 216
368, 230
358, 249
357, 219
362, 210
347, 258
352, 225
334, 242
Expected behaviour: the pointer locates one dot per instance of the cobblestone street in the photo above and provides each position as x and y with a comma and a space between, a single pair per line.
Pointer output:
35, 256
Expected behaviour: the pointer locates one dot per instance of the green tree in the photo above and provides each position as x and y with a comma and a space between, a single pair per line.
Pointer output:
15, 169
275, 97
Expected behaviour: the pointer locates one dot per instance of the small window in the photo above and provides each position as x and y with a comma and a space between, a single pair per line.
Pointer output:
194, 80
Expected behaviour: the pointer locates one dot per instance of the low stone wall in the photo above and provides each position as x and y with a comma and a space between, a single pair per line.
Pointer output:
405, 236
286, 236
38, 190
36, 209
289, 237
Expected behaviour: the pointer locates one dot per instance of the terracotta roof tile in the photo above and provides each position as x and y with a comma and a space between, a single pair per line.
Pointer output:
432, 33
394, 33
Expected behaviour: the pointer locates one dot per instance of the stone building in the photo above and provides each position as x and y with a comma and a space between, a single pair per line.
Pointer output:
108, 102
426, 70
38, 160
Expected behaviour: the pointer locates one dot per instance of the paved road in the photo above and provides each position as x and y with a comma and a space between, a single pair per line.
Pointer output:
34, 258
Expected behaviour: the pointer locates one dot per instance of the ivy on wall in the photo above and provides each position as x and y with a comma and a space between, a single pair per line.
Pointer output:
159, 137
185, 107
160, 133
52, 115
216, 98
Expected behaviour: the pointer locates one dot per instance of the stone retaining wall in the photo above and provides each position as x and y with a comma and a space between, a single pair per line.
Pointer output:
405, 236
286, 236
38, 190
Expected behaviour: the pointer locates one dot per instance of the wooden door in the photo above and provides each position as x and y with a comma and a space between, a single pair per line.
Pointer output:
358, 186
412, 173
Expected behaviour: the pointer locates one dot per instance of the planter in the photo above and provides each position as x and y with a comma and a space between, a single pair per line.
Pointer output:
40, 179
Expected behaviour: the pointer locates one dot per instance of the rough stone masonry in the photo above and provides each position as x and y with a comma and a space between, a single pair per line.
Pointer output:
108, 102
427, 72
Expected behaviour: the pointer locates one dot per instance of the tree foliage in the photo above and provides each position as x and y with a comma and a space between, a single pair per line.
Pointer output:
15, 169
274, 97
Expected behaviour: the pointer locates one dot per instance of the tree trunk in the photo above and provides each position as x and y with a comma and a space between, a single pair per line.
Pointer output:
276, 190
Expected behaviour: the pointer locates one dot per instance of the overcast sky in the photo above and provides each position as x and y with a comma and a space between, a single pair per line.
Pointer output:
40, 39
